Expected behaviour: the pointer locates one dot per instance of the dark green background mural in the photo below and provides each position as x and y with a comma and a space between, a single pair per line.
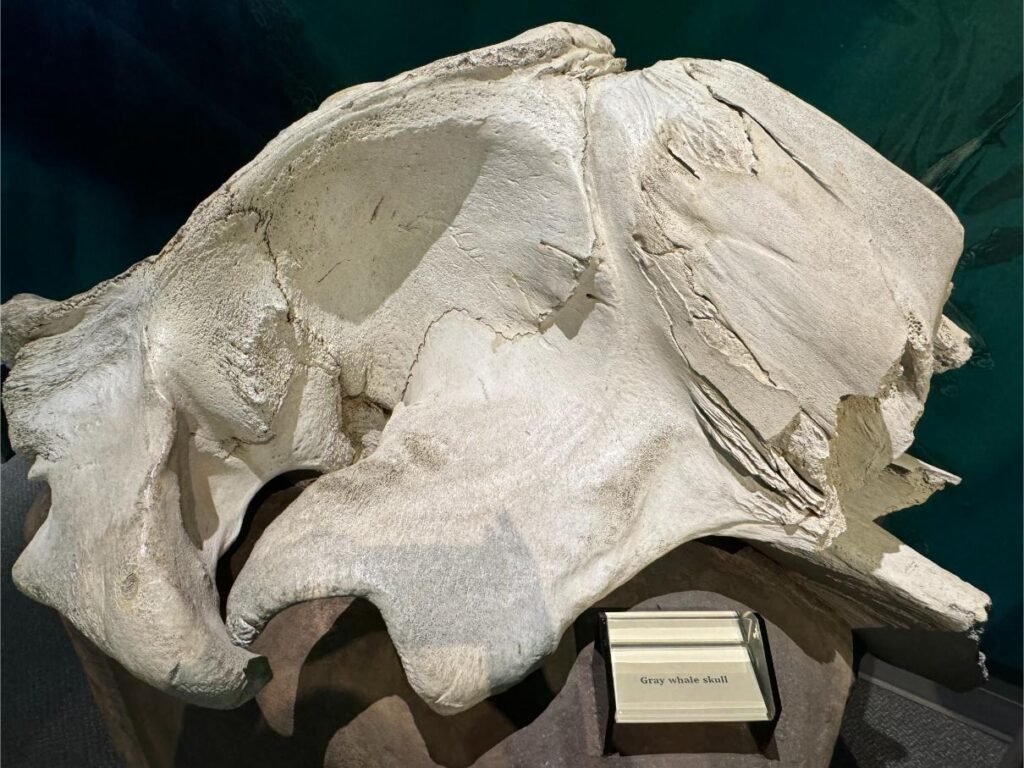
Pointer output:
119, 117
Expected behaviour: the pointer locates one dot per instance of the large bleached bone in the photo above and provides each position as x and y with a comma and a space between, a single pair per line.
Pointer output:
538, 320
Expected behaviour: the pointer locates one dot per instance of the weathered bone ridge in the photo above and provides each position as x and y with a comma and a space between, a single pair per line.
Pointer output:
538, 320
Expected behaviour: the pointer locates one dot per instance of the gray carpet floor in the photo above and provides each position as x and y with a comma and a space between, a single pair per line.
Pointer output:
885, 729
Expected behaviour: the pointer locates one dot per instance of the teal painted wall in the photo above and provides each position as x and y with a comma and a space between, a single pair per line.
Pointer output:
119, 117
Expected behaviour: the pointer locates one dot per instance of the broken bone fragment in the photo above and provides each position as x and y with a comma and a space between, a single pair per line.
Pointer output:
537, 320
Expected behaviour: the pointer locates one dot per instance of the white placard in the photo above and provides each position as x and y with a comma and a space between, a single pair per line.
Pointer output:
688, 666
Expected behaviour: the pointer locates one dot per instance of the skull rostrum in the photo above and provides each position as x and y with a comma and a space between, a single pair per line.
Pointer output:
538, 320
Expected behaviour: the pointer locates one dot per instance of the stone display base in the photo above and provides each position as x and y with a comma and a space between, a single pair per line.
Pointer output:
339, 697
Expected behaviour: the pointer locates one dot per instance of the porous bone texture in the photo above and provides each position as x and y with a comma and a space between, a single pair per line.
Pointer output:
538, 320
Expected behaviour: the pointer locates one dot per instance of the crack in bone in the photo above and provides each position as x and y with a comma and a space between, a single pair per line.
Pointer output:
733, 439
744, 116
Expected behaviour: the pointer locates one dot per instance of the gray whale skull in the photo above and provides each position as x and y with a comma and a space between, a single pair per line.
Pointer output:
538, 321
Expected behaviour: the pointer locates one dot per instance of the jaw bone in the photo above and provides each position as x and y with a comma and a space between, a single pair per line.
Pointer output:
539, 321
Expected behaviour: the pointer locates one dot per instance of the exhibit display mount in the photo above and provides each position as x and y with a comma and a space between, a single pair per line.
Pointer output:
538, 320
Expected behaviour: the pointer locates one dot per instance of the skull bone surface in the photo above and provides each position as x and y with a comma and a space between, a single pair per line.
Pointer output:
538, 320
